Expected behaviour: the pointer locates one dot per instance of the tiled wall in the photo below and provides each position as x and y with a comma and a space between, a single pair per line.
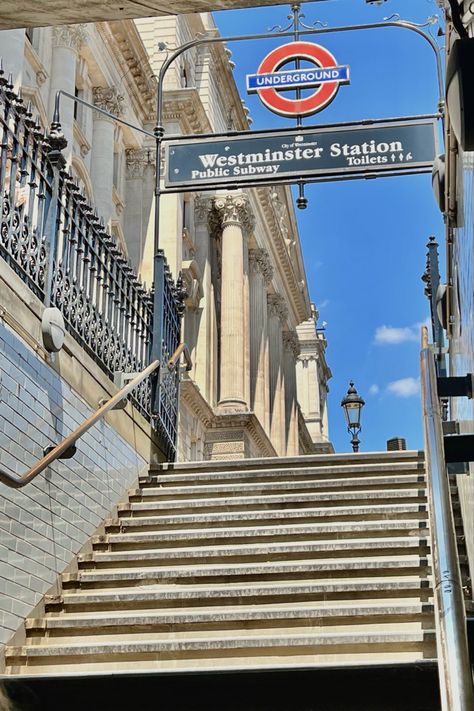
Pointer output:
43, 525
462, 343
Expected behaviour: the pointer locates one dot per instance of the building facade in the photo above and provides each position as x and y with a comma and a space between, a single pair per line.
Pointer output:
238, 251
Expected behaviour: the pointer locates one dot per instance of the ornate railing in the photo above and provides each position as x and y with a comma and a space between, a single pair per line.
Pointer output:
57, 244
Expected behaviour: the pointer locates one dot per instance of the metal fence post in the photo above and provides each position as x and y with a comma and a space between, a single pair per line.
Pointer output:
56, 143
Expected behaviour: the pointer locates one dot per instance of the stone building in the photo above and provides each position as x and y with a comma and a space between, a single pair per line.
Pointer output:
238, 252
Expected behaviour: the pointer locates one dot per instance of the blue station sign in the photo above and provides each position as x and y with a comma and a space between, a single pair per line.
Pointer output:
335, 152
297, 78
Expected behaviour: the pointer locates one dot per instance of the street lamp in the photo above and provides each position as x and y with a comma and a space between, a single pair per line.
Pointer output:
353, 404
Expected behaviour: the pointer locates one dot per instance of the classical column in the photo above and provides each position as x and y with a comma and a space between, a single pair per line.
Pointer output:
236, 220
135, 162
291, 352
260, 272
205, 354
102, 154
277, 313
12, 52
67, 40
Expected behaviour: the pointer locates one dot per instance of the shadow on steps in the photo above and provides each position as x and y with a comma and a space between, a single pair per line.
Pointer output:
405, 688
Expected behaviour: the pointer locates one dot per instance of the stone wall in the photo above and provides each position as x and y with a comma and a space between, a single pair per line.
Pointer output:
42, 399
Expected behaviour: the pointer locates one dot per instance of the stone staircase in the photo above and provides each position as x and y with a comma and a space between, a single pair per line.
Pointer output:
298, 563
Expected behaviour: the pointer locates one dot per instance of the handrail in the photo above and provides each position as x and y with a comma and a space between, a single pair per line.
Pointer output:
451, 640
184, 350
18, 483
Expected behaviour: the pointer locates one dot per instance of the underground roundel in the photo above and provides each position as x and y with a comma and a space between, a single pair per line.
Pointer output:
271, 83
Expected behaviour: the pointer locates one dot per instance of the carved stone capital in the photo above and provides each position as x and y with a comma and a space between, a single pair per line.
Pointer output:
202, 209
108, 99
277, 306
260, 262
235, 210
69, 36
136, 159
291, 343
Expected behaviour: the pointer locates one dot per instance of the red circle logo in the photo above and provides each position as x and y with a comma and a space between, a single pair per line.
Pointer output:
318, 100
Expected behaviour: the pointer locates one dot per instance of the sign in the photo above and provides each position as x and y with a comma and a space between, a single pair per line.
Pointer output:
326, 76
341, 151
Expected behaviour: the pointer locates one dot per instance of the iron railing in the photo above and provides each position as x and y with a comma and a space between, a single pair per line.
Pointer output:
451, 637
54, 240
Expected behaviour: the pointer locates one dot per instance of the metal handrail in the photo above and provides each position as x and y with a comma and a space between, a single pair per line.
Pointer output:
182, 349
451, 639
69, 441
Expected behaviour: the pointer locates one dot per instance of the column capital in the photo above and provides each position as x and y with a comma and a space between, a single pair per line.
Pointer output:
69, 36
235, 210
108, 99
259, 261
277, 306
136, 159
291, 343
202, 209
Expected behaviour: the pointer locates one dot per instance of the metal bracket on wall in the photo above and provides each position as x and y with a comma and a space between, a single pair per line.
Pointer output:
68, 454
120, 379
462, 386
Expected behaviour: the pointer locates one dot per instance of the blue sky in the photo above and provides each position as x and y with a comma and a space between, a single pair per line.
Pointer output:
364, 242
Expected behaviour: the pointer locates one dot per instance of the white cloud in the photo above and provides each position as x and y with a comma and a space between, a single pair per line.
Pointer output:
405, 387
391, 335
323, 304
374, 389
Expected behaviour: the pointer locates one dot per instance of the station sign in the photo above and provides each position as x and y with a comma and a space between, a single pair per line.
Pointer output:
325, 74
342, 151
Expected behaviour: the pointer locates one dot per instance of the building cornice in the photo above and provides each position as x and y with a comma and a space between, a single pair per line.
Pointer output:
126, 45
297, 289
185, 106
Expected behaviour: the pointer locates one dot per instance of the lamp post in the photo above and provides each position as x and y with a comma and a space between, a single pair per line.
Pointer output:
353, 404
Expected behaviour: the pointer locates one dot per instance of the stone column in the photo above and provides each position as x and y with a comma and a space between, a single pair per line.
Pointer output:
308, 393
205, 354
236, 221
261, 272
135, 162
291, 352
12, 52
67, 40
277, 313
102, 154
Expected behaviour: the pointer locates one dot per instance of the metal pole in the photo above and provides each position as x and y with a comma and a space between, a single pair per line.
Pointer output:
453, 656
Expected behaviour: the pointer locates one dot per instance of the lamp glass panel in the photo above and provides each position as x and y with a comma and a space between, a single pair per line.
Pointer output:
353, 414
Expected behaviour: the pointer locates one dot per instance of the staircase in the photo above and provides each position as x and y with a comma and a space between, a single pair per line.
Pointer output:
310, 562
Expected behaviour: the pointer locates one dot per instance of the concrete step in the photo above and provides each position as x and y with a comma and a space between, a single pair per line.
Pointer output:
298, 464
238, 629
321, 612
347, 548
326, 483
357, 511
316, 531
158, 596
265, 475
310, 644
419, 655
277, 500
148, 575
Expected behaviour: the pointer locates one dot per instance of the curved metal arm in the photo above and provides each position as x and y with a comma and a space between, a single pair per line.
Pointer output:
207, 39
18, 483
182, 349
451, 639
